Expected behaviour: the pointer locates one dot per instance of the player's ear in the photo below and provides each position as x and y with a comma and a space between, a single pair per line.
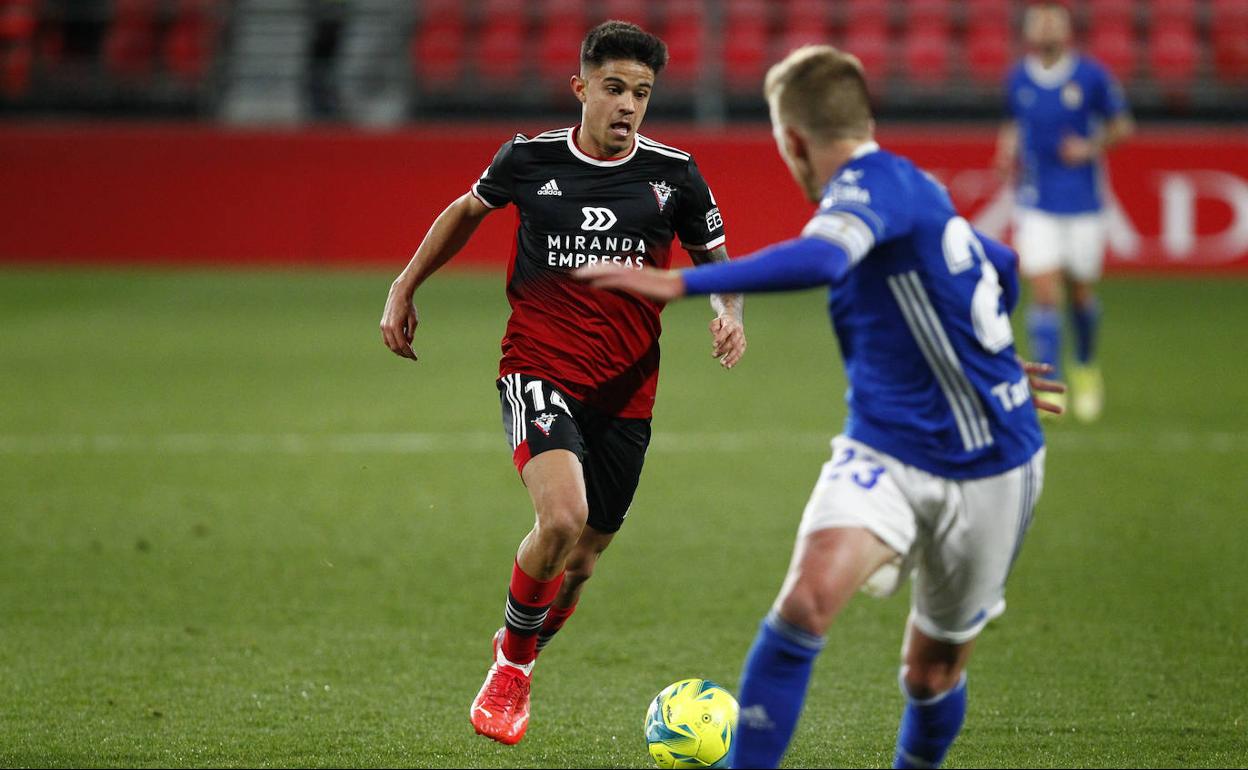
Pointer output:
796, 145
578, 88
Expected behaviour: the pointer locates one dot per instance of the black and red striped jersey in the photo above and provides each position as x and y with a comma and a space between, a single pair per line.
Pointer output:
577, 210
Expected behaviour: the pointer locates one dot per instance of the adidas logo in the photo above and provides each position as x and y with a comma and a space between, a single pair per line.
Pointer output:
756, 718
550, 188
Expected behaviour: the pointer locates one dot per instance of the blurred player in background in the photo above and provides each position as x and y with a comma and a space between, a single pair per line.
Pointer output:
941, 461
579, 369
1065, 112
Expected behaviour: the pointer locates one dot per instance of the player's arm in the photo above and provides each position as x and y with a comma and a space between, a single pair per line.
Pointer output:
1077, 150
450, 231
1006, 159
728, 326
800, 263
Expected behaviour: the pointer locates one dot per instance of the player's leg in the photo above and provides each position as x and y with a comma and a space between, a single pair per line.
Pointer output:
1040, 241
546, 446
959, 586
856, 522
1087, 259
615, 451
933, 682
579, 568
556, 485
828, 566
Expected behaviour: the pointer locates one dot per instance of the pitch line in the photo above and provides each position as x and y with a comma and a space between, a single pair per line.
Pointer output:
1092, 441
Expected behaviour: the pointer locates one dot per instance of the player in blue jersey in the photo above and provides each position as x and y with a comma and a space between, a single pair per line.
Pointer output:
941, 460
1065, 112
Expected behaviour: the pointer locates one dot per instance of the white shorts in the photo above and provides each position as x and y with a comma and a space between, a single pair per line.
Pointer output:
959, 537
1071, 243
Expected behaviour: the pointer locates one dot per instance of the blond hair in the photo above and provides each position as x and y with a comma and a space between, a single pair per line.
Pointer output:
822, 90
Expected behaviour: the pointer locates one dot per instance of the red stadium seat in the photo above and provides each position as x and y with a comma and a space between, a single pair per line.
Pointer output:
867, 13
626, 10
500, 52
804, 22
1173, 56
682, 30
994, 13
130, 44
1114, 12
17, 21
563, 25
1228, 11
925, 51
1114, 46
1230, 50
15, 66
439, 44
1172, 12
868, 40
189, 45
745, 44
989, 54
923, 12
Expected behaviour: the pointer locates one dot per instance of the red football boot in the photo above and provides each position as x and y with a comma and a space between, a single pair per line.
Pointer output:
501, 709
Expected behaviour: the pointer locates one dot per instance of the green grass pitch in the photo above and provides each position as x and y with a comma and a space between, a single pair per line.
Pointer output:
235, 530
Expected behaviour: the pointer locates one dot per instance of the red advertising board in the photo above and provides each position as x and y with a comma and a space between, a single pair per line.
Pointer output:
72, 193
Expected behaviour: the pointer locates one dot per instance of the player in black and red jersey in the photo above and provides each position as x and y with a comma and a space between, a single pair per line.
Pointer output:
579, 368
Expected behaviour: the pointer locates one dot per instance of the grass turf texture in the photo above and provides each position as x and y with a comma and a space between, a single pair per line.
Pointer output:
217, 549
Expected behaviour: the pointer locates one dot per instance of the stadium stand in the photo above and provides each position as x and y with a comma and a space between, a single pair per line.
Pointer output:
1181, 57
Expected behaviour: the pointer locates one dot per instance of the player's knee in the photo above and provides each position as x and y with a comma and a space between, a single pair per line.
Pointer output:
929, 679
560, 524
802, 605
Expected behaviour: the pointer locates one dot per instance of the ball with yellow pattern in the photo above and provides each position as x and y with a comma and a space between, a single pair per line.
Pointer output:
691, 723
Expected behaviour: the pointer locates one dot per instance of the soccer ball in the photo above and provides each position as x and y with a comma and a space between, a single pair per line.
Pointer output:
691, 724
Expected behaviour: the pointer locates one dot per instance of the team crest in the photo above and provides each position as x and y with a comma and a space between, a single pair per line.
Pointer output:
544, 421
1072, 96
662, 191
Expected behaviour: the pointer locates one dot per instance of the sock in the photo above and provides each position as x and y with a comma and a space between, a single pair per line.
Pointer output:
1044, 326
928, 727
527, 603
555, 618
1086, 320
773, 688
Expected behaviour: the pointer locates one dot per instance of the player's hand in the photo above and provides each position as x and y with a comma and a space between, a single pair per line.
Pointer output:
728, 340
1041, 384
1077, 151
398, 322
651, 283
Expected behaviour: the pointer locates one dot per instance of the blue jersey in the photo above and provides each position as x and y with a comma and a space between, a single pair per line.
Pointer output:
1071, 98
920, 304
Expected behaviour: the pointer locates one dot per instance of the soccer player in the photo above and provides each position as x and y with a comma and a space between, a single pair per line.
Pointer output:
1065, 112
579, 368
941, 460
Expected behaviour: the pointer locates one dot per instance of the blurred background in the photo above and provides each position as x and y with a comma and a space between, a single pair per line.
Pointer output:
386, 62
352, 122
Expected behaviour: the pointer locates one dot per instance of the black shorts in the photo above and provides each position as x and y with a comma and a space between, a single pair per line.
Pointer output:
538, 416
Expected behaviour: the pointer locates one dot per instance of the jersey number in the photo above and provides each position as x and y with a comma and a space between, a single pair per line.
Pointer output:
962, 250
534, 389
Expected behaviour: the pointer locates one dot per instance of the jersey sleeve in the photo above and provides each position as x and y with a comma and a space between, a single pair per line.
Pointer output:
863, 206
698, 222
1108, 99
495, 185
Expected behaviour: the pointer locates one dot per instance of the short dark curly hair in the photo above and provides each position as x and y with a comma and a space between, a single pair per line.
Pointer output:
615, 40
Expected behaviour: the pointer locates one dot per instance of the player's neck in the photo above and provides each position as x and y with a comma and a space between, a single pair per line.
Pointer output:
829, 159
596, 151
1049, 57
